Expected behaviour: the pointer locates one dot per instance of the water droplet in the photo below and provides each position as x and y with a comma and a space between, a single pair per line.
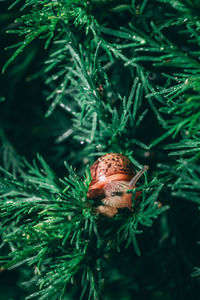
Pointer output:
186, 81
98, 146
147, 154
85, 160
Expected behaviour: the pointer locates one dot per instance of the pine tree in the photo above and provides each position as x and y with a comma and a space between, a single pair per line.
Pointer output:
82, 79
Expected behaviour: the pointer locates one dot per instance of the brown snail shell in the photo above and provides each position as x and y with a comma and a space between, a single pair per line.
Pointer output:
112, 176
108, 168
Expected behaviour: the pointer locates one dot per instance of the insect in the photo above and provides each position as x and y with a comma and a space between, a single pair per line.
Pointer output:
112, 175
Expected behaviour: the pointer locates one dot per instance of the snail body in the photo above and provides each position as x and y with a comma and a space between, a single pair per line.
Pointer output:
112, 175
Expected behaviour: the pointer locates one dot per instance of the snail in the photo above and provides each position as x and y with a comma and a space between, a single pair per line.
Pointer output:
112, 175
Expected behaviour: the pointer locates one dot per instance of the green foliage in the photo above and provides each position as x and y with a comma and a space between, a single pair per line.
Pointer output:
10, 160
186, 185
42, 21
120, 76
53, 227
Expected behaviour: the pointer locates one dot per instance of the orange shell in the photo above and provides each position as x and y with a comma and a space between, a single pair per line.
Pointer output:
108, 168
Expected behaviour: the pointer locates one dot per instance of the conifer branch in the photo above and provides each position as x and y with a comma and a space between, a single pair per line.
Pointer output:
132, 89
53, 226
